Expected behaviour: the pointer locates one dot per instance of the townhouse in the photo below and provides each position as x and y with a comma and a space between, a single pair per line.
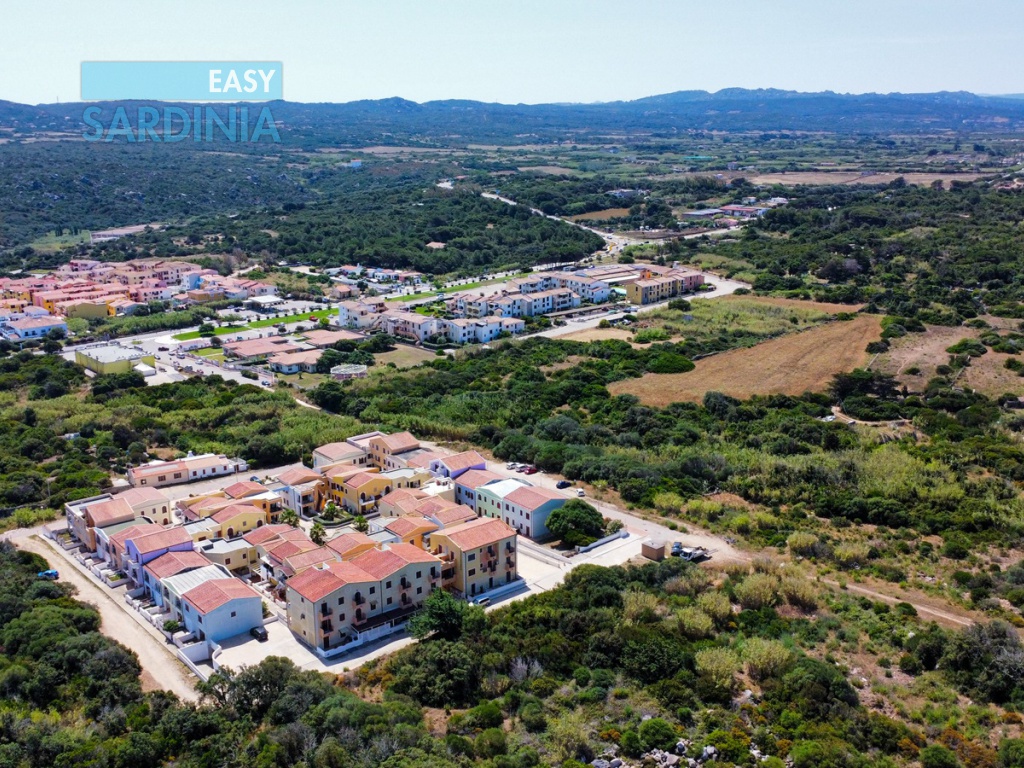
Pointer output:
28, 328
302, 490
86, 516
457, 464
167, 565
338, 605
675, 282
410, 325
304, 361
142, 547
519, 504
483, 553
467, 484
221, 608
159, 473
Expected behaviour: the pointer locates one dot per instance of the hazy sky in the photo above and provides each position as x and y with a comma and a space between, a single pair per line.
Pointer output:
529, 50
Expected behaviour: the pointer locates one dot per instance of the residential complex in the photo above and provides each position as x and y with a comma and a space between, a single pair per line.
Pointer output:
208, 562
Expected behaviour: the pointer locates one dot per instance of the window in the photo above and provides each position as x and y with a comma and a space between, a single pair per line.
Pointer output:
419, 574
227, 561
471, 558
419, 590
472, 571
200, 619
341, 600
388, 585
389, 601
373, 590
234, 614
341, 617
162, 478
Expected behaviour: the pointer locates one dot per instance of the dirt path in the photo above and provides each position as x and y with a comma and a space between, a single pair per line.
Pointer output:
948, 616
161, 670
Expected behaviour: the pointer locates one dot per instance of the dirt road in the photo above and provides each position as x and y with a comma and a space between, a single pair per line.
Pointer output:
161, 670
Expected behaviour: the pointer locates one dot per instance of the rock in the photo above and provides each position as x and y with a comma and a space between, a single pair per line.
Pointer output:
616, 763
682, 746
599, 763
671, 760
708, 753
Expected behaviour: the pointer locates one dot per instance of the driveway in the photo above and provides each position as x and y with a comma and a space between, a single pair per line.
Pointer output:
161, 668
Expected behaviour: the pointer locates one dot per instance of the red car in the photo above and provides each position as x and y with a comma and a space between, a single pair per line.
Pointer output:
530, 471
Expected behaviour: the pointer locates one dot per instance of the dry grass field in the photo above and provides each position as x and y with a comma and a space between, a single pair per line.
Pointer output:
790, 365
924, 351
607, 213
854, 177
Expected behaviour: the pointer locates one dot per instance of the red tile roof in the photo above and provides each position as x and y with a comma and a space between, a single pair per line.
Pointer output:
212, 594
315, 584
244, 488
162, 539
407, 526
115, 510
474, 478
133, 531
360, 479
300, 562
400, 442
478, 533
464, 460
386, 561
531, 497
265, 532
454, 515
229, 513
174, 563
299, 476
347, 542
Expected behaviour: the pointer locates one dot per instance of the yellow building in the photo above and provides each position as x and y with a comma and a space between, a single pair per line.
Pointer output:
87, 310
476, 556
361, 491
113, 358
410, 528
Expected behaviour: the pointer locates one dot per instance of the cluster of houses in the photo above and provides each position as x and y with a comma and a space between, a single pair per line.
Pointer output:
733, 215
209, 562
372, 314
88, 289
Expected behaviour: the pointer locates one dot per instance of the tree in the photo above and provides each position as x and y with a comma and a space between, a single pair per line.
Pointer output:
657, 733
936, 756
441, 617
576, 520
318, 534
289, 517
360, 524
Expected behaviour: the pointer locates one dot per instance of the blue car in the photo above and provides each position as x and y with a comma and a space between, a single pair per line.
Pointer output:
51, 574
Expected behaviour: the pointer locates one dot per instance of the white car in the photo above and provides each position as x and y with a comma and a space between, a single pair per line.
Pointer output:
580, 492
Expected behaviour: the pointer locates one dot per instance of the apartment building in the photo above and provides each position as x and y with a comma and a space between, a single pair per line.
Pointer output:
409, 325
86, 516
339, 605
302, 490
483, 553
467, 484
673, 283
519, 504
191, 468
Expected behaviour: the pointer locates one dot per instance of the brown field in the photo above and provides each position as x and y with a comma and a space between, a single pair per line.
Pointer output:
607, 213
554, 170
854, 177
599, 334
985, 374
788, 365
821, 306
404, 356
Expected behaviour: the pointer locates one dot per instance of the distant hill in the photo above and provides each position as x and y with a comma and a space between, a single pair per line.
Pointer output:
734, 109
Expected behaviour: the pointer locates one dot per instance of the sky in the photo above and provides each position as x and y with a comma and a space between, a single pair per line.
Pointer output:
529, 51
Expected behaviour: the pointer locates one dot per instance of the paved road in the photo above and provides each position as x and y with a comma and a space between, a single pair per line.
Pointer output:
161, 669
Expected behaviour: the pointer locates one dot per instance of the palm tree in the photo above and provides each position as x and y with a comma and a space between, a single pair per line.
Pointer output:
290, 517
360, 524
318, 534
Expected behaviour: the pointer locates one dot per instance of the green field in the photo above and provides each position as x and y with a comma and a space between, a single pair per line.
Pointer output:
264, 323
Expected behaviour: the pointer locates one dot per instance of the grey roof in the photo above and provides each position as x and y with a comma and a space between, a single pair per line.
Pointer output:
111, 353
183, 582
223, 546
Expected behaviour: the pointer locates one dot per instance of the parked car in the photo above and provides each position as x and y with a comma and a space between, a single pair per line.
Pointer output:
677, 548
260, 633
531, 471
50, 575
164, 349
483, 602
511, 465
562, 484
520, 468
580, 492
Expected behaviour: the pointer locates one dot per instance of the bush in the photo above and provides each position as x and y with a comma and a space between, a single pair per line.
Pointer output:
490, 743
765, 658
694, 623
799, 592
657, 733
936, 756
717, 668
804, 544
716, 605
758, 590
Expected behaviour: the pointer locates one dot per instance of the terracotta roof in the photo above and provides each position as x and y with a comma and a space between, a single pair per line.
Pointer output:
423, 460
322, 338
119, 538
103, 513
244, 488
212, 594
257, 347
264, 533
532, 497
344, 470
143, 495
431, 506
229, 513
173, 563
407, 526
464, 460
316, 583
303, 560
454, 515
334, 451
381, 563
474, 478
303, 357
162, 539
478, 533
298, 476
282, 550
402, 494
400, 442
360, 479
347, 542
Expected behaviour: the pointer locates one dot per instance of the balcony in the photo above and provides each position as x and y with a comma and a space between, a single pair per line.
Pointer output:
404, 583
510, 564
508, 547
358, 599
326, 610
326, 625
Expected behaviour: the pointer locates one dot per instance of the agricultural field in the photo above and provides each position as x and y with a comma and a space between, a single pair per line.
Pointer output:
793, 364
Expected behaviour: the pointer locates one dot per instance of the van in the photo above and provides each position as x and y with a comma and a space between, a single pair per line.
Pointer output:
483, 602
